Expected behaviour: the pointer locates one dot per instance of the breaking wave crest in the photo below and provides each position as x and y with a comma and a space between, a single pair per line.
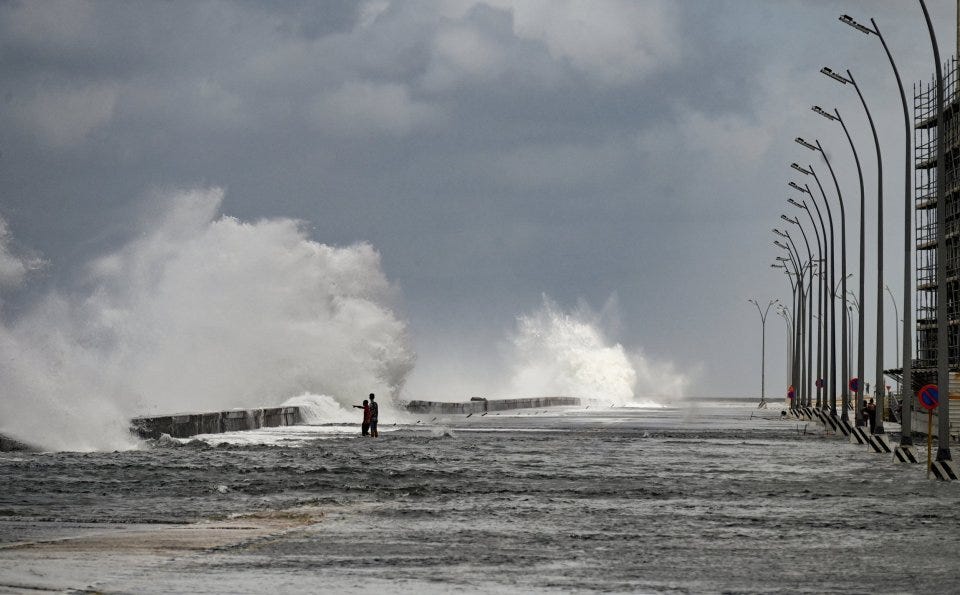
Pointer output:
201, 311
567, 353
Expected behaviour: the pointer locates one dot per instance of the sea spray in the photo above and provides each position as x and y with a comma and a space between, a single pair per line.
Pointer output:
323, 409
555, 352
199, 312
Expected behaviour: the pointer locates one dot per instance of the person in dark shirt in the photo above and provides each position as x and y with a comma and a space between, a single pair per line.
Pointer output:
870, 411
365, 426
374, 416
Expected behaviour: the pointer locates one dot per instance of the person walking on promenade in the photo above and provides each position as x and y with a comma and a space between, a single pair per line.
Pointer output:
365, 426
374, 417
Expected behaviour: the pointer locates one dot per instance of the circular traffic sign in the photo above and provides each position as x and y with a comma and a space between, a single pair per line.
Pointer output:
929, 397
854, 384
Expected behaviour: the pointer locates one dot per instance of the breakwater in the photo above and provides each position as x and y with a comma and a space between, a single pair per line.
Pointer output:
217, 422
484, 405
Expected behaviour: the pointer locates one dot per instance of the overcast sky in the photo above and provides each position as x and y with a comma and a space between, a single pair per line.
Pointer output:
628, 155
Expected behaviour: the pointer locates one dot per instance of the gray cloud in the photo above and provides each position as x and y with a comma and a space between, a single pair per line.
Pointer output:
491, 151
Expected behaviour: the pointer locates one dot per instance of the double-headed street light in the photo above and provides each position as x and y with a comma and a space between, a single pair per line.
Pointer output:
763, 347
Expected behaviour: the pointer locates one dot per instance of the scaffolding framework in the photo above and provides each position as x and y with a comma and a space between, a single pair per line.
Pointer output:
926, 128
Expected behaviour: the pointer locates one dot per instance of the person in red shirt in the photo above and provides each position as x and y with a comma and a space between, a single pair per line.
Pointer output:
365, 426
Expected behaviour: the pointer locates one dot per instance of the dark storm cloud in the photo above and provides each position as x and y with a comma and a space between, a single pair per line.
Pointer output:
492, 151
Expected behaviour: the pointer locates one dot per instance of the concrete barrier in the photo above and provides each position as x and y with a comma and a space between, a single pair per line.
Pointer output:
190, 424
485, 406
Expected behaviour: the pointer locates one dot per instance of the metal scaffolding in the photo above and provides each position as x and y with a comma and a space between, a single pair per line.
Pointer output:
926, 128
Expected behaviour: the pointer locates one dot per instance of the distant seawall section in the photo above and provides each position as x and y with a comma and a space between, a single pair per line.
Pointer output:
218, 422
485, 406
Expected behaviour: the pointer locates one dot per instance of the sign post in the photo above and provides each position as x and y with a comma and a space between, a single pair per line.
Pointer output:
929, 398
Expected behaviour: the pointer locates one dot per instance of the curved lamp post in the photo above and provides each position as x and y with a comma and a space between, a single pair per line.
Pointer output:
833, 315
809, 298
906, 438
798, 363
896, 320
804, 310
858, 397
943, 347
784, 313
878, 428
821, 306
845, 396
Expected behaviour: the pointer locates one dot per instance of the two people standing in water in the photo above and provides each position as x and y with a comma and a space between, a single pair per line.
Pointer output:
371, 413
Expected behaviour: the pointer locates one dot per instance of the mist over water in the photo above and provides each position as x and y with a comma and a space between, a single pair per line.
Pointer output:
202, 311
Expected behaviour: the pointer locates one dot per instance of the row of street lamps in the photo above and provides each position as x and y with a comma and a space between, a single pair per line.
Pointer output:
799, 315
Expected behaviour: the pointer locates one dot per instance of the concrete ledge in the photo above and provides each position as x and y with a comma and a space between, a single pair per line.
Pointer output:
190, 424
484, 406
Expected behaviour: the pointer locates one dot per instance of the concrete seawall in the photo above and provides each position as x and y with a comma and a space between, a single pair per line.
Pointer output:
481, 406
191, 424
217, 422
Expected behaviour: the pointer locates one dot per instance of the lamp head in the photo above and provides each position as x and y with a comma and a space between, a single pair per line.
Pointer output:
797, 187
800, 169
834, 75
804, 143
847, 19
796, 204
822, 112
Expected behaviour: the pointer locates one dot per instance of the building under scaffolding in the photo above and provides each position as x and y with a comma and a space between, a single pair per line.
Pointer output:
926, 129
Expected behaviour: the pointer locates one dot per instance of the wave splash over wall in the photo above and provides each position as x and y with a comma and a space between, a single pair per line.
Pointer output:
567, 353
200, 312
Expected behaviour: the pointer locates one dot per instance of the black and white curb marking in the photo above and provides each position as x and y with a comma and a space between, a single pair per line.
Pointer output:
859, 436
905, 454
945, 470
880, 443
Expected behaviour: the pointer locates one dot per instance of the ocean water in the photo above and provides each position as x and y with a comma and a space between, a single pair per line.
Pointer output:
699, 498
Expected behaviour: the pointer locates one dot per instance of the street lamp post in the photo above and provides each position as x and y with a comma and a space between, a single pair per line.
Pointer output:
821, 304
906, 438
799, 310
878, 385
858, 397
843, 273
809, 298
784, 313
943, 346
896, 326
763, 348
